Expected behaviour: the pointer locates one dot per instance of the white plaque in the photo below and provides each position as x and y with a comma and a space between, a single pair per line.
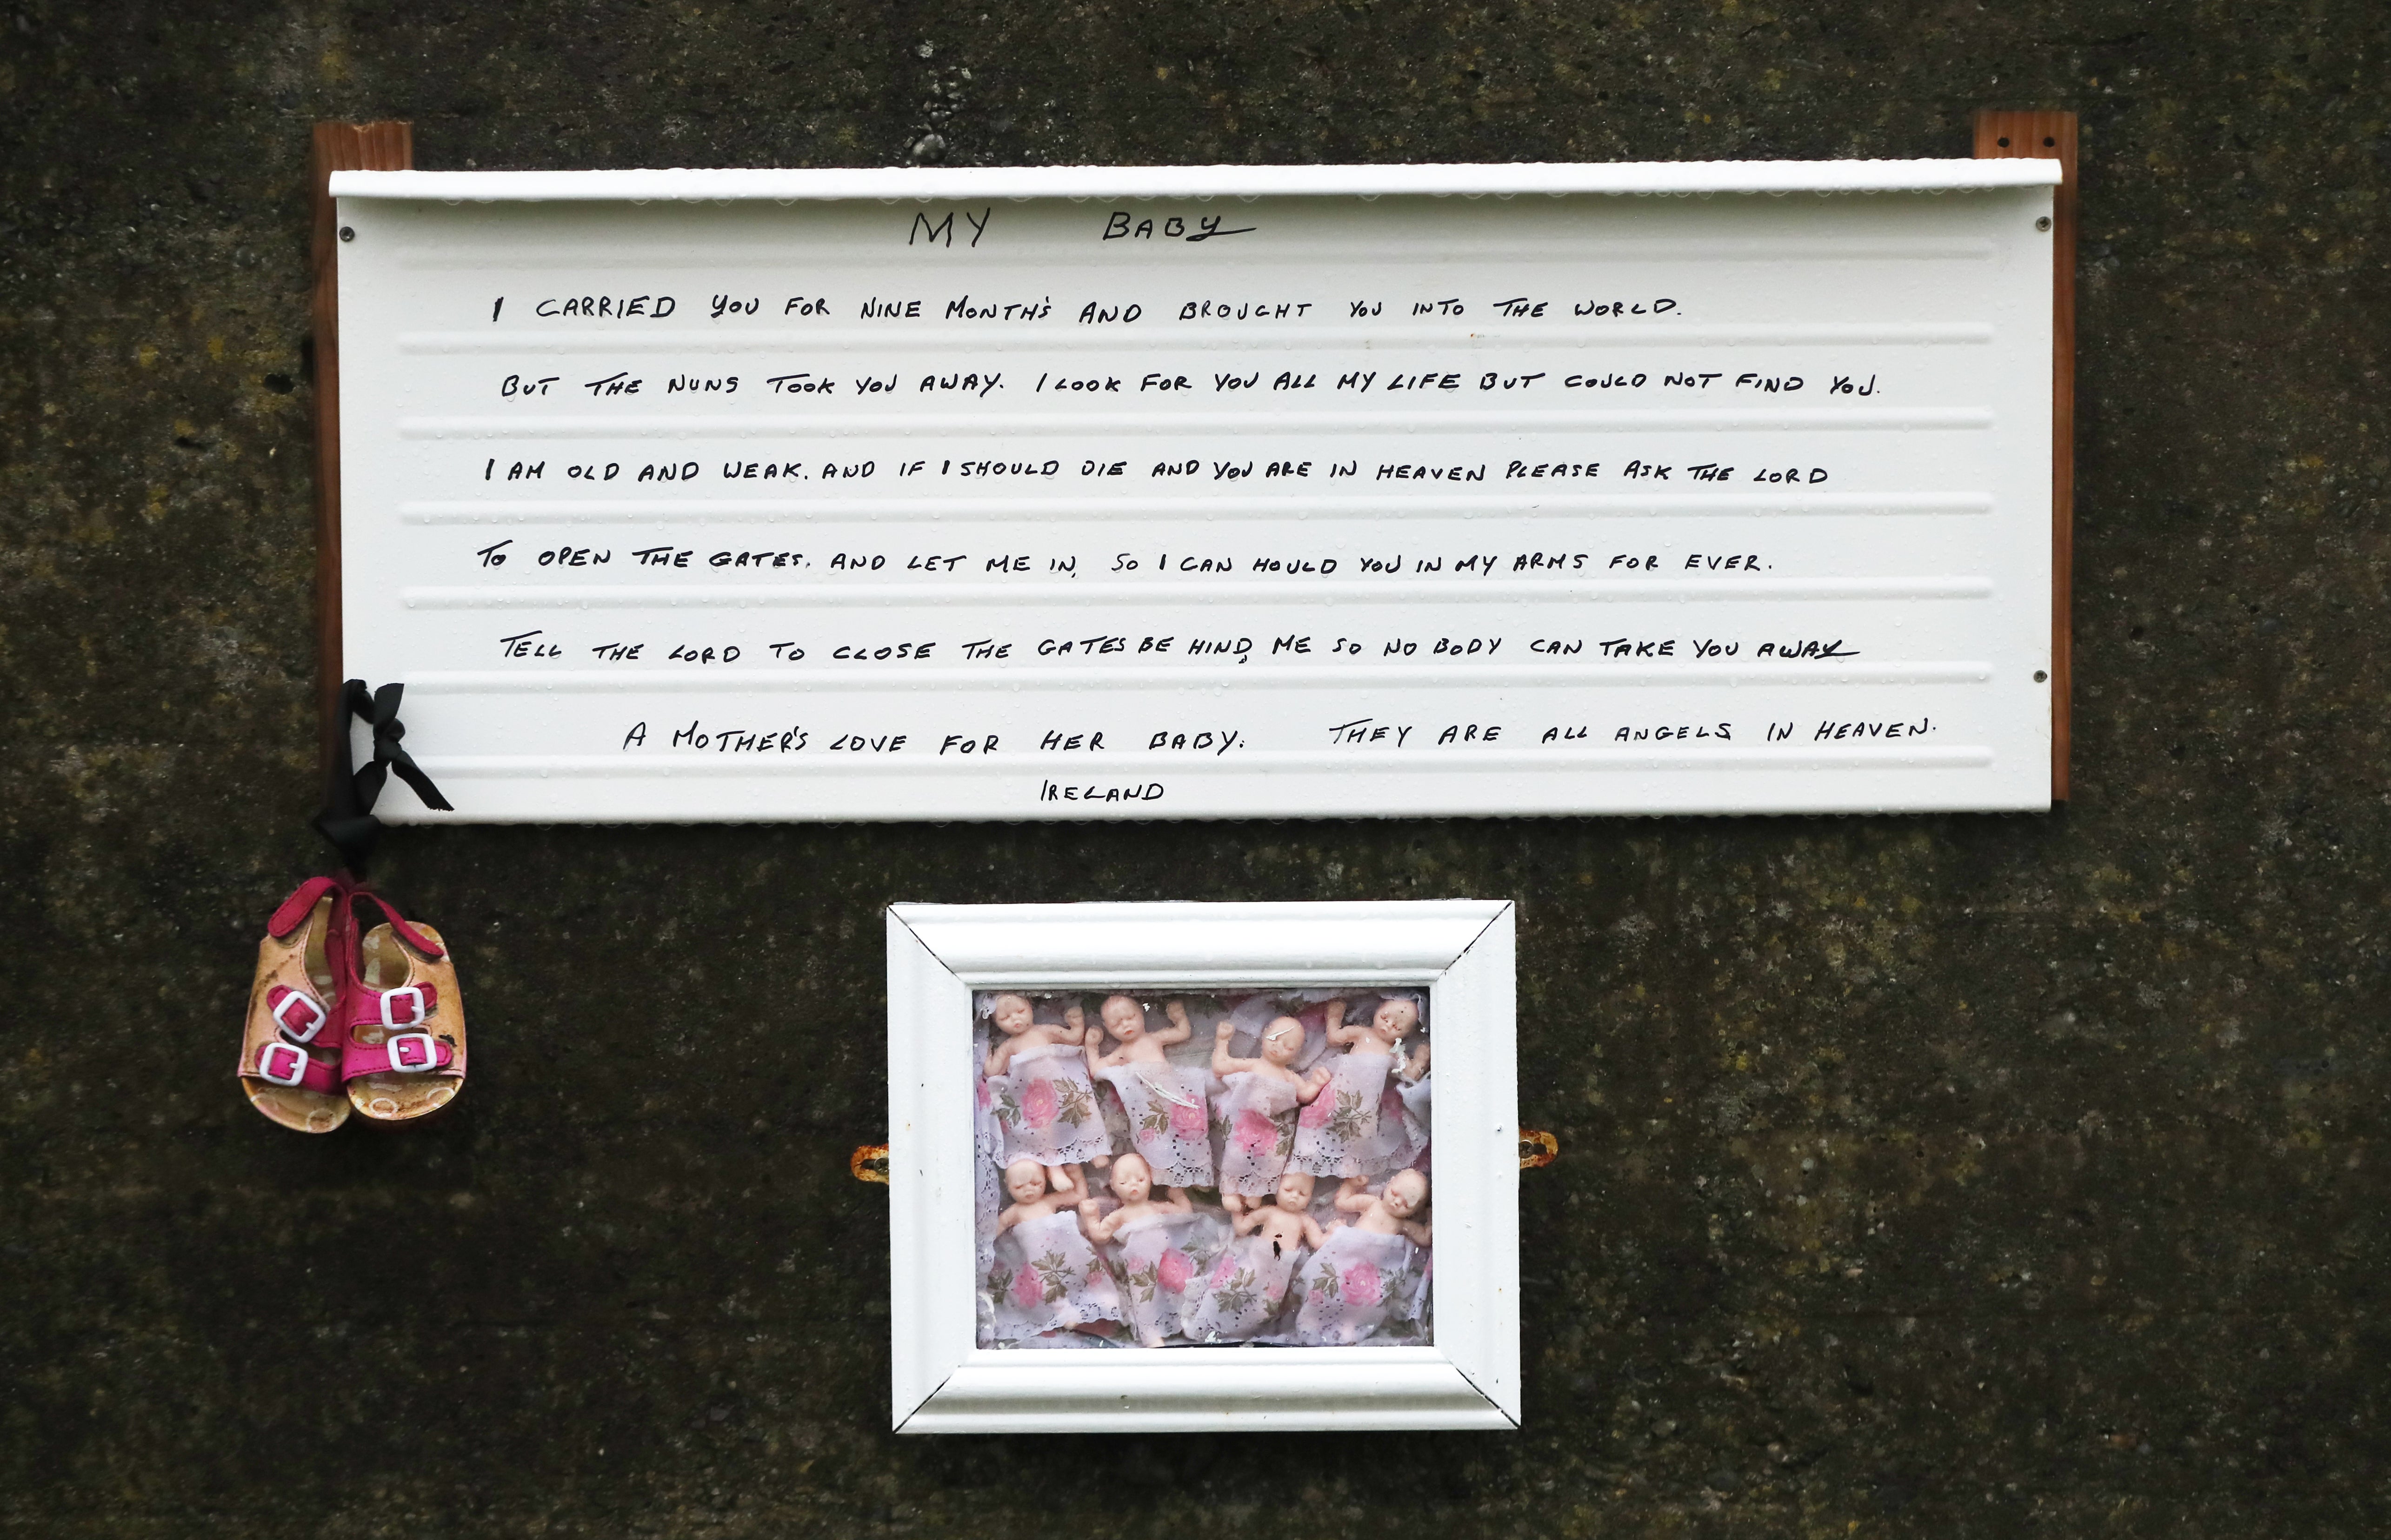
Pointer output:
1203, 493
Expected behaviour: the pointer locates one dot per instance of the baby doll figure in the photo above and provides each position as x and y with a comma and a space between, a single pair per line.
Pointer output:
1154, 1265
1258, 1109
1170, 1122
1286, 1224
1390, 1212
1350, 1130
1249, 1283
1059, 1281
1394, 1020
1020, 1032
1367, 1269
1032, 1198
1044, 1102
1124, 1023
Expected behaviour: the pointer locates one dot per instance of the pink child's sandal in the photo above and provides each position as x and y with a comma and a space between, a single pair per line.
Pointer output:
403, 1020
291, 1051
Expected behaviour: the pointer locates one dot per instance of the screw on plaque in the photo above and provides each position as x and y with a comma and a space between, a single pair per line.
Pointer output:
347, 232
869, 1163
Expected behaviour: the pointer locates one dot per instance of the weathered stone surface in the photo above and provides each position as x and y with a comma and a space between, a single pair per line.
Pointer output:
1919, 1176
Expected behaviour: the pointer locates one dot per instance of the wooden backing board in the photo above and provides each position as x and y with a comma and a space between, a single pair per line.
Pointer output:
336, 147
2004, 133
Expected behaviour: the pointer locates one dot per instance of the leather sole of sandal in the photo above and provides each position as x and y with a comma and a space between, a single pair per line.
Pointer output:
314, 1114
401, 1124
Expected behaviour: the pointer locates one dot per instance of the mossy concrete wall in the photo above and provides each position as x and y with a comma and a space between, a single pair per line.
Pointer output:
1950, 1176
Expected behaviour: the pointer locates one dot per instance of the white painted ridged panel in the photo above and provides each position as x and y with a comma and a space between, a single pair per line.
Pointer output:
1374, 501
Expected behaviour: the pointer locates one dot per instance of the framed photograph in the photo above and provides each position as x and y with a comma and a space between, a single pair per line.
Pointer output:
1176, 1166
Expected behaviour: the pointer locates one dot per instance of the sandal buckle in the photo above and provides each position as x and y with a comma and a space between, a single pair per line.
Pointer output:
293, 1060
316, 1015
414, 994
411, 1053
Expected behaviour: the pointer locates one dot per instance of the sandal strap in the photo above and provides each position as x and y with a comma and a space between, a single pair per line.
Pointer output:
409, 1006
398, 924
281, 1063
300, 905
303, 1019
407, 1053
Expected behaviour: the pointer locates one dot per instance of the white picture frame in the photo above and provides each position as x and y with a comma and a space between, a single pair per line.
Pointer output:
943, 1383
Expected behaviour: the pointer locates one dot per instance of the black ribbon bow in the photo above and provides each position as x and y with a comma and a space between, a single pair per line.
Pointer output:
347, 819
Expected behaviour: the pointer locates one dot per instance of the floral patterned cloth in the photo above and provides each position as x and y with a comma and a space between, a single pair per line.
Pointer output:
1155, 1271
1355, 1126
1400, 1140
989, 1197
1256, 1120
1169, 1121
1243, 1291
1417, 1106
1353, 1285
1048, 1278
1047, 1107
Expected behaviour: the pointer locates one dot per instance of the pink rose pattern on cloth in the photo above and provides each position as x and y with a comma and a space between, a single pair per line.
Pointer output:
1154, 1273
1047, 1108
1341, 1133
1259, 1114
1051, 1279
1244, 1294
1168, 1120
1187, 1120
1353, 1285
